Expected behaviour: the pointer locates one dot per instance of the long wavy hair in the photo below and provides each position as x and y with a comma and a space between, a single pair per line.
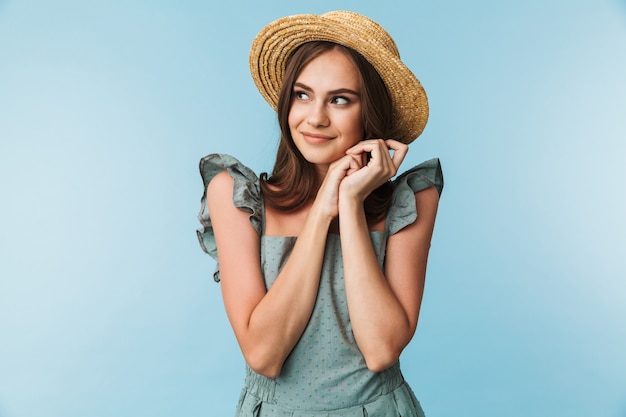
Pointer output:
293, 180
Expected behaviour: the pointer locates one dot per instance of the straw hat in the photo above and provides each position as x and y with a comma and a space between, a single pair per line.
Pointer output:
277, 41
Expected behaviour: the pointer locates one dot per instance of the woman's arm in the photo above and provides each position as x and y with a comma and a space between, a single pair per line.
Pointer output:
268, 324
384, 305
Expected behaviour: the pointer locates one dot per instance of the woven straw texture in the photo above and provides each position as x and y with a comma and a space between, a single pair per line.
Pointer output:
277, 41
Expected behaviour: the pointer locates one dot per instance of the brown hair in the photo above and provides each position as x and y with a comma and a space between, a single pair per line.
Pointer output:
293, 180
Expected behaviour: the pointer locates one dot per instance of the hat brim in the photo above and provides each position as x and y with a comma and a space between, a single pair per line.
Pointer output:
277, 41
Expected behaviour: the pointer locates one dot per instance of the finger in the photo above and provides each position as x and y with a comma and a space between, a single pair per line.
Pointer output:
365, 146
355, 163
344, 164
372, 152
378, 152
399, 151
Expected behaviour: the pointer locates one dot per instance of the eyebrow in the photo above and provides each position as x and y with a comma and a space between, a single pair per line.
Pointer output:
333, 92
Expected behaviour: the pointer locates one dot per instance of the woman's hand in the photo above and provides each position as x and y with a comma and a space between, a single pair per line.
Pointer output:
327, 199
382, 165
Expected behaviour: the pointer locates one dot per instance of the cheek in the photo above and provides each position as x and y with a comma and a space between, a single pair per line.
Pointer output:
294, 117
355, 125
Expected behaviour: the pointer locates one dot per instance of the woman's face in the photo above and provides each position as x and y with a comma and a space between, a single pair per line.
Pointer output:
325, 114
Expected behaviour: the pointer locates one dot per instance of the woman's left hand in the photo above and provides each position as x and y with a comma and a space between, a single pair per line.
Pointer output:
382, 166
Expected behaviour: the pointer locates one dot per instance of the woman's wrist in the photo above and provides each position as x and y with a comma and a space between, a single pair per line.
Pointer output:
320, 218
350, 205
351, 197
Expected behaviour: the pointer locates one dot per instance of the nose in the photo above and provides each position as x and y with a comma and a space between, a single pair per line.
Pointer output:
317, 116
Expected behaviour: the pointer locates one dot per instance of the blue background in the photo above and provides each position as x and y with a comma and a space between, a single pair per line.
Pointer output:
107, 304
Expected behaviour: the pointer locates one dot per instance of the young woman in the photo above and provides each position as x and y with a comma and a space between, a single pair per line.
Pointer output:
322, 263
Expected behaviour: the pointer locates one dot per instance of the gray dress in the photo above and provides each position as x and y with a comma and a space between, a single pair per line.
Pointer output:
325, 374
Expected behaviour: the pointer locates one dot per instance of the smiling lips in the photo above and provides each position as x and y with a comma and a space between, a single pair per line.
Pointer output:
315, 138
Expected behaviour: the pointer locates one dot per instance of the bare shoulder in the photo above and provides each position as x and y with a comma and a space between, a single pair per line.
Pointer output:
228, 220
221, 186
427, 202
415, 238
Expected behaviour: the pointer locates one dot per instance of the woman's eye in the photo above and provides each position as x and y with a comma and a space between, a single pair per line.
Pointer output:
301, 95
340, 100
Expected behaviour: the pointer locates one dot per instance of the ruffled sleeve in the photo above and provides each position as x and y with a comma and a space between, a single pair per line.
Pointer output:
246, 196
403, 211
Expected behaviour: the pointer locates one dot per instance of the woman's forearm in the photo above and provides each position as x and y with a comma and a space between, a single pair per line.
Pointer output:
267, 324
380, 324
279, 319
